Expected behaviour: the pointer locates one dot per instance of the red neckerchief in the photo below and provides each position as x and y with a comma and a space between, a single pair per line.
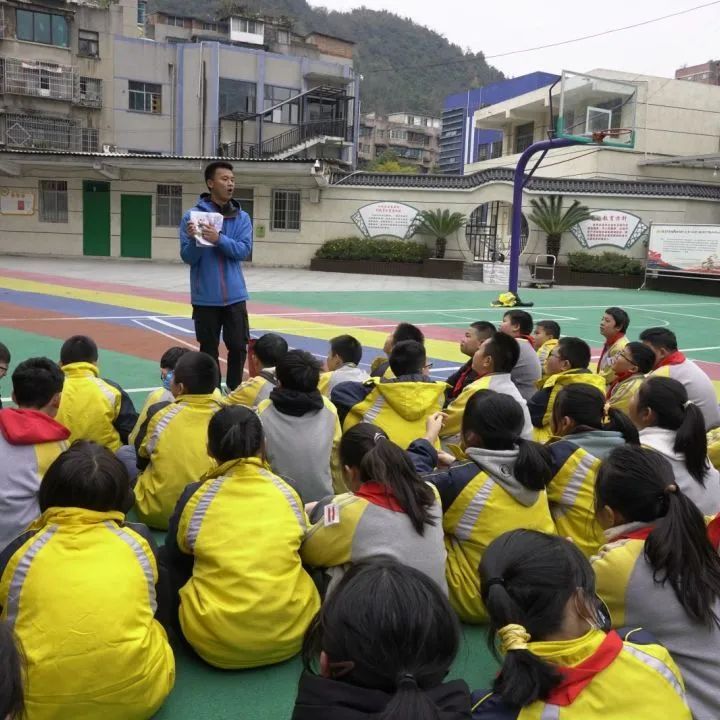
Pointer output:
639, 534
461, 381
606, 347
618, 379
576, 679
530, 339
378, 494
713, 533
675, 358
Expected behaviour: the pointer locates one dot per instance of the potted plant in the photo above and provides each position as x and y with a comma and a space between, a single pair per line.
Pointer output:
547, 214
439, 224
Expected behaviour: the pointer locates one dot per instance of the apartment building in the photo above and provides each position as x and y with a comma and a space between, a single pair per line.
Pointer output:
707, 73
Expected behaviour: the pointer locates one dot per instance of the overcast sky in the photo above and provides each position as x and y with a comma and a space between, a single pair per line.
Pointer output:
498, 27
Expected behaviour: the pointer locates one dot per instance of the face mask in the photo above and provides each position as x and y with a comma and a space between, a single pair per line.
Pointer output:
167, 380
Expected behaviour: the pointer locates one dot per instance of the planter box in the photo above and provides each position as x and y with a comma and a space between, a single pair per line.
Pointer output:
565, 276
443, 268
430, 268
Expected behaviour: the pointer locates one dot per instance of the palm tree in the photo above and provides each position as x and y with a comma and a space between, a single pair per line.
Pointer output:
439, 224
547, 214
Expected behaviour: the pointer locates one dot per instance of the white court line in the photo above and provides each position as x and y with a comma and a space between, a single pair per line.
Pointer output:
159, 319
665, 312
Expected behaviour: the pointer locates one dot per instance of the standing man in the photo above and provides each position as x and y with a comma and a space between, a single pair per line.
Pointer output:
217, 285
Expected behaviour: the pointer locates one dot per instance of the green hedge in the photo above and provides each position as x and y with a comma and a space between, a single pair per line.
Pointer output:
354, 248
608, 262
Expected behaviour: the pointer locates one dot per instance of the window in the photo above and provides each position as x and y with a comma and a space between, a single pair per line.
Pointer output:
398, 135
286, 210
168, 205
253, 27
175, 21
489, 151
524, 136
53, 201
42, 27
209, 26
88, 43
144, 97
237, 96
283, 37
289, 113
141, 12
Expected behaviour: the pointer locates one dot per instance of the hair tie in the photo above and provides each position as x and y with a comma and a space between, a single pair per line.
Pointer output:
378, 437
495, 581
513, 637
407, 681
670, 489
687, 404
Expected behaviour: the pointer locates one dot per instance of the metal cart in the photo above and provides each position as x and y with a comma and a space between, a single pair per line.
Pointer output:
542, 272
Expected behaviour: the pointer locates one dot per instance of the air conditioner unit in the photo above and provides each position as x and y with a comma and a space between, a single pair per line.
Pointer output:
109, 148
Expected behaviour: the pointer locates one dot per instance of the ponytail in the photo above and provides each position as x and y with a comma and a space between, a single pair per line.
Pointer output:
620, 422
533, 467
691, 441
409, 702
234, 432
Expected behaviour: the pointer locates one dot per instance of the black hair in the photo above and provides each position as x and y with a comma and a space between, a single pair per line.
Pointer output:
642, 356
621, 318
575, 351
234, 432
387, 627
12, 672
668, 400
269, 349
504, 351
527, 579
550, 327
660, 337
298, 370
198, 373
407, 358
484, 327
585, 404
367, 447
88, 476
347, 348
639, 484
214, 166
169, 358
36, 381
498, 420
78, 348
522, 319
406, 331
4, 353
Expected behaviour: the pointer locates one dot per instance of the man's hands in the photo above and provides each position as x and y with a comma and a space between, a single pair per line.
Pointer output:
206, 231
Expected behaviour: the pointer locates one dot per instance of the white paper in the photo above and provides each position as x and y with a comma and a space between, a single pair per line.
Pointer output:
198, 218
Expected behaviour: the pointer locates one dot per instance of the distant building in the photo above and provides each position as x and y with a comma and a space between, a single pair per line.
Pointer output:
708, 73
461, 143
415, 139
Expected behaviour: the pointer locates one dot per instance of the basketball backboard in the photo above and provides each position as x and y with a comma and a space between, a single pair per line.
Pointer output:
596, 110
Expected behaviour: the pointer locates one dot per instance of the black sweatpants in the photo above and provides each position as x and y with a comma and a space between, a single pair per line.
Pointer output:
232, 321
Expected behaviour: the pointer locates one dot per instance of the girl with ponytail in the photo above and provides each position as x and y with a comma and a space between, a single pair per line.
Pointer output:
389, 510
539, 591
674, 426
661, 568
380, 648
233, 547
589, 429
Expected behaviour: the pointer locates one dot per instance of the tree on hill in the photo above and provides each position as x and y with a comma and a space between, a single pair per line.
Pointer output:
389, 162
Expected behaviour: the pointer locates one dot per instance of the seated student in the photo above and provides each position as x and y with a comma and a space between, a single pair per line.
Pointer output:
12, 671
527, 371
670, 362
546, 337
245, 598
713, 443
171, 445
540, 594
631, 366
567, 364
30, 440
302, 430
500, 487
4, 364
613, 326
380, 366
671, 424
388, 511
381, 647
474, 337
400, 405
493, 364
92, 408
263, 357
342, 364
659, 570
79, 590
587, 435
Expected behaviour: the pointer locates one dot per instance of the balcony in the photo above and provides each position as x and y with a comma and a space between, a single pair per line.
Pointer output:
32, 132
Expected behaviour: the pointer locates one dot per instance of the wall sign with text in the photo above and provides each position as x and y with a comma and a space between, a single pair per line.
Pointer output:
16, 202
685, 248
613, 228
386, 218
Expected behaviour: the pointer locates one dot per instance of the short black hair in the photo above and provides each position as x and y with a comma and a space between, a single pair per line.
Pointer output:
298, 370
36, 381
575, 351
504, 351
78, 348
483, 327
660, 337
198, 373
407, 358
4, 353
522, 319
621, 318
214, 166
642, 356
269, 349
550, 327
171, 356
406, 331
347, 348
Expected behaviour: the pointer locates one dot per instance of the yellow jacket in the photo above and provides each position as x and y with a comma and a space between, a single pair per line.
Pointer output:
249, 600
79, 592
252, 392
543, 352
621, 394
607, 359
713, 441
156, 396
174, 448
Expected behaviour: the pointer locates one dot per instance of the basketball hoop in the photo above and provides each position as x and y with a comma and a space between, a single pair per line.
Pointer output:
599, 136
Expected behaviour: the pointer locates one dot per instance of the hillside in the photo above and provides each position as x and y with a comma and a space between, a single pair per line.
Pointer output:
384, 40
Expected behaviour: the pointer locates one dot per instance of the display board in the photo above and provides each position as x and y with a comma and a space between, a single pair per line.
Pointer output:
684, 250
391, 219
